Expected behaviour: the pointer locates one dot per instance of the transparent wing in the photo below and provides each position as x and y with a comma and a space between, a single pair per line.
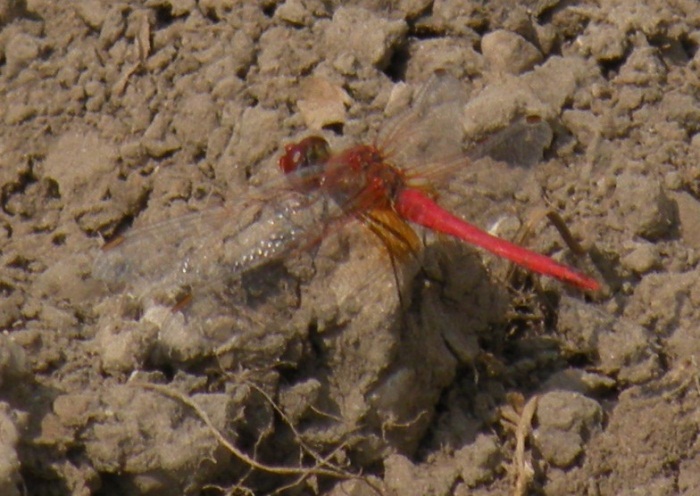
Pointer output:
428, 140
186, 277
223, 242
156, 253
430, 133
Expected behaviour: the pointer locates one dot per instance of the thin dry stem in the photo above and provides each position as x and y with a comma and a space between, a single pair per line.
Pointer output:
242, 456
323, 466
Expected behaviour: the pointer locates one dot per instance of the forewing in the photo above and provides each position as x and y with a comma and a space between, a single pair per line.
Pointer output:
429, 135
221, 243
157, 254
428, 140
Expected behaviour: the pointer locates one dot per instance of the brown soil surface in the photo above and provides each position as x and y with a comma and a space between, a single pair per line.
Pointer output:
313, 376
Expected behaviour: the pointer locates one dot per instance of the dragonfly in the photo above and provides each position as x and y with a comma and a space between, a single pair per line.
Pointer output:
388, 186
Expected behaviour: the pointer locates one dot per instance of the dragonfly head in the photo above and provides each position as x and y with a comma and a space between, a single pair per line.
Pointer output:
310, 151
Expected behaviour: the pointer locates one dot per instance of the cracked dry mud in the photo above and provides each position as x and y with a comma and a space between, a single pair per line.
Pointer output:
312, 378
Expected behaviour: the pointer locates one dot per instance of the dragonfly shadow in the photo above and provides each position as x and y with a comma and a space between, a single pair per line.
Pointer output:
231, 323
459, 298
522, 144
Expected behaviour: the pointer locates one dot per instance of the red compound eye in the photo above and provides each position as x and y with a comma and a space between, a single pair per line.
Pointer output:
313, 150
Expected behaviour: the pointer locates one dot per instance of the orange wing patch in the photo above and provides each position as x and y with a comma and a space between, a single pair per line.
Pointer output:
394, 232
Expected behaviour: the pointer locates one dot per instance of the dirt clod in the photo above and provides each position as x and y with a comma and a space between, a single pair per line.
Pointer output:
330, 371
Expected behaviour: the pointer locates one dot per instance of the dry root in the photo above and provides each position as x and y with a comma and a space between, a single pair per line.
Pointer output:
322, 467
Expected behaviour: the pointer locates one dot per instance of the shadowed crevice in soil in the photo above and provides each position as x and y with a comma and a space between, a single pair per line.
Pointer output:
313, 376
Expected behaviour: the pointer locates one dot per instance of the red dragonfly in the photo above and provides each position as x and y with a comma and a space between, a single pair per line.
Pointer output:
386, 186
366, 181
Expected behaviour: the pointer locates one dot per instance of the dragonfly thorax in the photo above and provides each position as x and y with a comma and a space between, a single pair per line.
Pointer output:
361, 178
